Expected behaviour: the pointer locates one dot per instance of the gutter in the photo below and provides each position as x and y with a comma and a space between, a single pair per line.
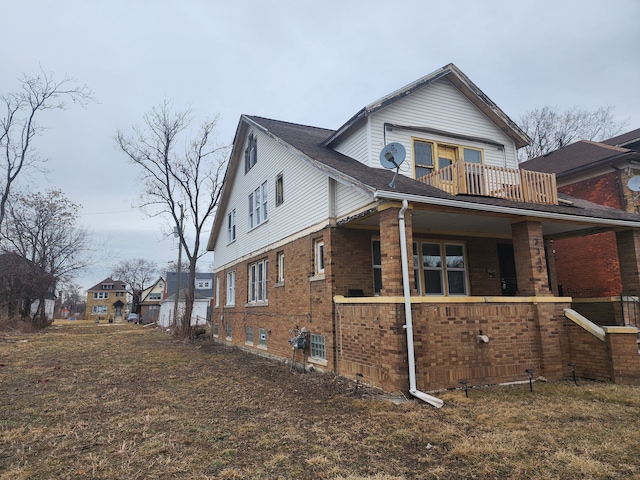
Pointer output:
436, 402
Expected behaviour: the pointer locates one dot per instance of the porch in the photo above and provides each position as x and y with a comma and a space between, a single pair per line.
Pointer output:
527, 329
485, 180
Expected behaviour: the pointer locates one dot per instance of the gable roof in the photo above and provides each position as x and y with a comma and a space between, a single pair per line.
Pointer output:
625, 139
308, 144
577, 156
118, 285
172, 280
458, 79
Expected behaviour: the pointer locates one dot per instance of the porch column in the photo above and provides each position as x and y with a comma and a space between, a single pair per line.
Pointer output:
531, 264
390, 250
628, 242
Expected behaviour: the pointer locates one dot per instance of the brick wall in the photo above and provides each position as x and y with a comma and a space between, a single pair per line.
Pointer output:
447, 350
589, 266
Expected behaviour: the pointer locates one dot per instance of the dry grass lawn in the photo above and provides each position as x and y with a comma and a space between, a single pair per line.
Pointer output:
129, 402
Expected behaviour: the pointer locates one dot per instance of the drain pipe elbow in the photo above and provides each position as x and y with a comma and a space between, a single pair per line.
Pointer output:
436, 402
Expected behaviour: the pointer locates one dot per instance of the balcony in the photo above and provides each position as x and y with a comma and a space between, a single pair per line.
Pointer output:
488, 181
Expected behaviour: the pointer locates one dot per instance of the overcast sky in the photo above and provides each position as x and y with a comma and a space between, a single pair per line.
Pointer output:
315, 63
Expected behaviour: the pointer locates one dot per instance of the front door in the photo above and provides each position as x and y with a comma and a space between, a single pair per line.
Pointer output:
507, 263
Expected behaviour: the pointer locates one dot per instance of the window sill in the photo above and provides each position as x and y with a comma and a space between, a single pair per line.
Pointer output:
319, 361
279, 284
229, 339
257, 304
317, 277
262, 347
251, 229
250, 344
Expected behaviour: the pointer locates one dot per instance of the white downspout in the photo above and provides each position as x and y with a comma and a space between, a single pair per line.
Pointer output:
436, 402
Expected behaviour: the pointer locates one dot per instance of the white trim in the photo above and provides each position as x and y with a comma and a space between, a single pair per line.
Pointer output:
445, 202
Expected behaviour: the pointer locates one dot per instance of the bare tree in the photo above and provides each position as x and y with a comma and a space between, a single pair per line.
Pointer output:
137, 274
177, 177
18, 127
43, 228
550, 129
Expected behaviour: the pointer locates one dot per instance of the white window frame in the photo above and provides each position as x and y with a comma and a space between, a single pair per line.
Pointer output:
231, 288
217, 304
258, 206
100, 295
231, 226
99, 309
319, 257
280, 263
203, 284
258, 282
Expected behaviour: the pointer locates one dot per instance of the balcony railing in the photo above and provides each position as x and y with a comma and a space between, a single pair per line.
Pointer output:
499, 182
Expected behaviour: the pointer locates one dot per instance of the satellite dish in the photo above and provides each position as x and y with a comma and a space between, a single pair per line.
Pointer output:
392, 155
634, 183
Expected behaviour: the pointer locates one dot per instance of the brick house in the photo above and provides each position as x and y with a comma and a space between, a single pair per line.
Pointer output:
598, 172
107, 300
414, 281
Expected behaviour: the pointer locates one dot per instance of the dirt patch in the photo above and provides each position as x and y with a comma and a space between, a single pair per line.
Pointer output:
125, 401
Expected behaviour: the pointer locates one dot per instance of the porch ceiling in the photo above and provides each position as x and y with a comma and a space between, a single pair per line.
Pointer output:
477, 223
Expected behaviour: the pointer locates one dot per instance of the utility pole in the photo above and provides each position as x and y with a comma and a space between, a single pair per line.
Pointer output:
179, 273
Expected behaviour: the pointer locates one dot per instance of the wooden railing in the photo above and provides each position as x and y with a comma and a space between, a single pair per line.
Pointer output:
485, 180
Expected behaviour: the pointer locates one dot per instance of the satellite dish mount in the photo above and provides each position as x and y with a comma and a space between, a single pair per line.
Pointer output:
392, 156
633, 184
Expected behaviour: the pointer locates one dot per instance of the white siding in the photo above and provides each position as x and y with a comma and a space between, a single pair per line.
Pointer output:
439, 106
349, 199
305, 201
356, 145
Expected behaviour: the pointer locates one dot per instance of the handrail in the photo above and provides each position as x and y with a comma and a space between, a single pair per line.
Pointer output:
491, 181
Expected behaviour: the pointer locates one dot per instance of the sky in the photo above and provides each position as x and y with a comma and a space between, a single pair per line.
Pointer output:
310, 62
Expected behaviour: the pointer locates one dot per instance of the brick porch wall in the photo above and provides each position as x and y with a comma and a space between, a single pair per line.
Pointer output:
521, 335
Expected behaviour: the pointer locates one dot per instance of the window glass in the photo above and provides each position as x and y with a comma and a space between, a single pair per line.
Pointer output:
472, 156
318, 347
231, 288
432, 265
423, 158
377, 267
229, 331
319, 257
455, 256
263, 337
431, 256
249, 334
279, 190
280, 267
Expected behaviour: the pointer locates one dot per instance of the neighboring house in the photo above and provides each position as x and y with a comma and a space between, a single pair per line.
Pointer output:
23, 284
416, 282
107, 301
150, 301
202, 298
588, 267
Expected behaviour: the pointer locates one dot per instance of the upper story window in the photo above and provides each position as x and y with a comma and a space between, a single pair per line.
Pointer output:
107, 286
251, 153
155, 296
429, 156
203, 284
100, 295
231, 226
258, 212
279, 190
